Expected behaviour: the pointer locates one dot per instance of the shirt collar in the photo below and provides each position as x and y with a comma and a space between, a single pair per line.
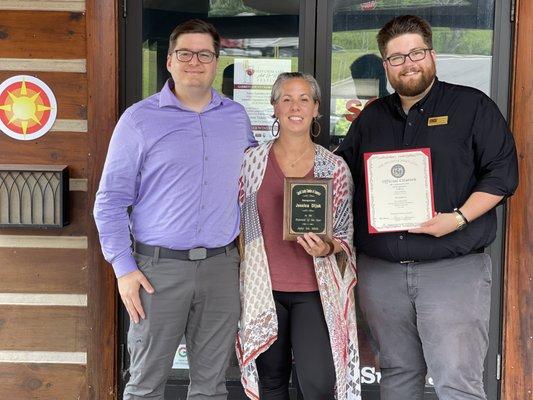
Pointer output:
419, 105
167, 98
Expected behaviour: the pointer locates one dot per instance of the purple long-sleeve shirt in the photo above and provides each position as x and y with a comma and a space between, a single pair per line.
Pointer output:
179, 169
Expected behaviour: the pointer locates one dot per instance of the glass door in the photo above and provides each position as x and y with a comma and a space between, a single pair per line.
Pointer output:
255, 35
471, 38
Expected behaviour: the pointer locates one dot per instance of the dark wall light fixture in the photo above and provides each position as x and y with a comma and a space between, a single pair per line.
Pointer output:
33, 196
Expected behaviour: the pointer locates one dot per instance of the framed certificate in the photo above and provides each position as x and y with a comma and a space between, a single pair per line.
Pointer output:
399, 189
308, 207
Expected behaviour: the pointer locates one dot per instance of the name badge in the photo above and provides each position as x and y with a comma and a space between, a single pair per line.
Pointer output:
438, 120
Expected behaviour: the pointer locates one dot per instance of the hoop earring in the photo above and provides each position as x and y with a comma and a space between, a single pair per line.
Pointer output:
275, 135
315, 132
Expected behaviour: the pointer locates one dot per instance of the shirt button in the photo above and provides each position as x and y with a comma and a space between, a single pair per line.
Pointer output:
410, 124
421, 110
401, 237
205, 158
205, 183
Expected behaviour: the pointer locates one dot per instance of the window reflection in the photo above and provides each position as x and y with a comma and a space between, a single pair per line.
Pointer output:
462, 38
248, 29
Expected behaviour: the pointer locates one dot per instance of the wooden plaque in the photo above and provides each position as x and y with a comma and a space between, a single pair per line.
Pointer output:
308, 207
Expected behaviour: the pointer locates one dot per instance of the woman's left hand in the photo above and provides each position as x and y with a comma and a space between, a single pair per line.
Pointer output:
313, 245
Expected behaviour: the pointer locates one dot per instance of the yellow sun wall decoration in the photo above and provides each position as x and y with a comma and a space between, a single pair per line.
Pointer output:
28, 107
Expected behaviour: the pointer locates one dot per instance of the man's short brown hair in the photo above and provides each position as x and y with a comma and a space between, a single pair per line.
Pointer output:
194, 26
400, 26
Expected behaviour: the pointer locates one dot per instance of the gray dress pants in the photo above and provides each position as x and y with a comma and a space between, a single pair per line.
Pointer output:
428, 317
198, 299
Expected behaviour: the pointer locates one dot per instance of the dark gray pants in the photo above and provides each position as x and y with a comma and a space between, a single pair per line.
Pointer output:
428, 317
199, 299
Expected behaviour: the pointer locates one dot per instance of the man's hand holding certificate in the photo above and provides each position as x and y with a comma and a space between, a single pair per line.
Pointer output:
399, 189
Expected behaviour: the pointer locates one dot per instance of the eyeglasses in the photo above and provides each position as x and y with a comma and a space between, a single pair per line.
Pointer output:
415, 55
204, 56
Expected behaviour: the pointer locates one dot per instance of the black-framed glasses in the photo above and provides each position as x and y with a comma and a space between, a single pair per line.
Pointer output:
204, 56
414, 55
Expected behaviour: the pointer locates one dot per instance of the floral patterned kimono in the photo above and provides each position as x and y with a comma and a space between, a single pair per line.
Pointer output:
258, 325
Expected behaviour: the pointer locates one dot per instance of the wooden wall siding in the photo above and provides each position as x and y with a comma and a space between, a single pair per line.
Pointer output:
518, 298
43, 271
43, 381
103, 77
43, 328
46, 34
70, 91
58, 148
43, 65
43, 5
44, 324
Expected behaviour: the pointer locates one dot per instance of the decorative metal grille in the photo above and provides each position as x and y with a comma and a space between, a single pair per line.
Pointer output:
33, 195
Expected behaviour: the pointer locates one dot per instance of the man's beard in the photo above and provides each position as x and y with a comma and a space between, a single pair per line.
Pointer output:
414, 87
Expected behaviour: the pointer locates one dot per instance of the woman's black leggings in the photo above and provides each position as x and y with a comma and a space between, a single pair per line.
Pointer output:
302, 328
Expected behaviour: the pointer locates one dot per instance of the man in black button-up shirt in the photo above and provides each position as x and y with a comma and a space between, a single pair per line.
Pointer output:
425, 293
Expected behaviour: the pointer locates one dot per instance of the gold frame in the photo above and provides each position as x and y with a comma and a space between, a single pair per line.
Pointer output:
288, 232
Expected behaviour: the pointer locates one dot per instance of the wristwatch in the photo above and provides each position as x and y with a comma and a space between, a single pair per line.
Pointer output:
460, 219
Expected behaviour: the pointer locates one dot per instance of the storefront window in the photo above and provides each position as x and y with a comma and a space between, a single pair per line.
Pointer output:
242, 36
462, 39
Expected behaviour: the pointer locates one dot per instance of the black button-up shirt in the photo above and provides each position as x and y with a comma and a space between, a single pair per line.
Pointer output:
473, 152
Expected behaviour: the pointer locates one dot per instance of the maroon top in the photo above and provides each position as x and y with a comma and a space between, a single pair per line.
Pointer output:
291, 268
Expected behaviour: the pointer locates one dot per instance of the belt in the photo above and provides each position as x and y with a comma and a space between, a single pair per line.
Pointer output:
475, 251
196, 254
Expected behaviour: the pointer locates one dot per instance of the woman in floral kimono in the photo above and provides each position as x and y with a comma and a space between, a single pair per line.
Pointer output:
297, 296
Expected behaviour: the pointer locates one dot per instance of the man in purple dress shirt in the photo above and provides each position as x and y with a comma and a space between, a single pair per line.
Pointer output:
175, 158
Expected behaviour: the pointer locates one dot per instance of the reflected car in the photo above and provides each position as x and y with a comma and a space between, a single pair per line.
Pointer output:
227, 51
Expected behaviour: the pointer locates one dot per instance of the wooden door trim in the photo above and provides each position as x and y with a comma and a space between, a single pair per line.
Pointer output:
518, 292
103, 78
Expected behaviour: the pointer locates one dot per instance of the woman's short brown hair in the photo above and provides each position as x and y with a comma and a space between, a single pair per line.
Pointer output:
400, 26
194, 26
